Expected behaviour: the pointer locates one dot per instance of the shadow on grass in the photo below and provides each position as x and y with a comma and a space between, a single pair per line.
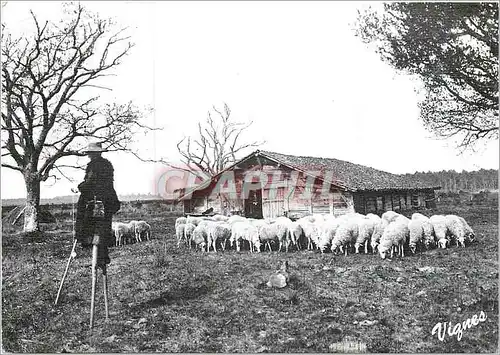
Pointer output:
175, 296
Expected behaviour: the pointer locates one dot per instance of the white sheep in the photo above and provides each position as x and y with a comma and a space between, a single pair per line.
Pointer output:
267, 234
346, 234
469, 232
236, 234
220, 218
439, 224
366, 228
223, 234
131, 226
390, 216
188, 232
216, 231
294, 233
416, 233
244, 230
417, 215
193, 220
258, 222
142, 229
428, 229
327, 234
329, 217
456, 229
180, 220
282, 226
121, 232
179, 232
208, 226
305, 220
312, 233
318, 218
252, 236
378, 229
395, 235
235, 218
199, 237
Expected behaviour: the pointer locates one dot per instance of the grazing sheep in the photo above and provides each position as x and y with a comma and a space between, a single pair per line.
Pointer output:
180, 220
395, 236
194, 220
199, 237
179, 232
416, 233
456, 229
216, 231
267, 234
417, 215
222, 233
318, 218
469, 233
329, 218
440, 229
121, 232
208, 225
131, 226
428, 229
390, 216
142, 229
312, 232
252, 237
244, 230
220, 218
259, 223
235, 218
328, 233
305, 220
282, 226
378, 229
366, 228
188, 233
294, 233
346, 234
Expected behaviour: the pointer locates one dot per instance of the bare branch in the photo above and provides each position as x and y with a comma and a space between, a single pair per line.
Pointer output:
217, 143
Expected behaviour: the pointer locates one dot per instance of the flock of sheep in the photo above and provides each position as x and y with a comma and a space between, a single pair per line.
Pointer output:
387, 234
133, 231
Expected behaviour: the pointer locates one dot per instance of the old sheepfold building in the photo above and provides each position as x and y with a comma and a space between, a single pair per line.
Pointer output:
267, 185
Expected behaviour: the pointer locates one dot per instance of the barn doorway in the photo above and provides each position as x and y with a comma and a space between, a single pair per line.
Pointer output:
253, 204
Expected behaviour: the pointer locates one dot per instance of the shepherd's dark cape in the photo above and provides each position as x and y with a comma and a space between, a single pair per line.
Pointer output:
98, 184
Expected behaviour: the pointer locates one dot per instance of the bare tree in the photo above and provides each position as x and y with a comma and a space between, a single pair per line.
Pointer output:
216, 145
48, 111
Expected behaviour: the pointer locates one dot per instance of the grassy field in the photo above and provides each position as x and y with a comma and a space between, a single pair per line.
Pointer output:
181, 300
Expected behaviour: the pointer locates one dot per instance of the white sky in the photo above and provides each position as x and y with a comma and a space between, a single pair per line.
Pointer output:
294, 68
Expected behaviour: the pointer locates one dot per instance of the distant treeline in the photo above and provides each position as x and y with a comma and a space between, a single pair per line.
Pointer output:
453, 181
68, 199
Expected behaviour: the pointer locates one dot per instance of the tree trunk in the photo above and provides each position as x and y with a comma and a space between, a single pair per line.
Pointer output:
31, 223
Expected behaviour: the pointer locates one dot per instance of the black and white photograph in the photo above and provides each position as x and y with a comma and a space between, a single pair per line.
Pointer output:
249, 177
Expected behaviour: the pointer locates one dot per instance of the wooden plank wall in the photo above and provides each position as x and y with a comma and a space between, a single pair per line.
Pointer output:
379, 202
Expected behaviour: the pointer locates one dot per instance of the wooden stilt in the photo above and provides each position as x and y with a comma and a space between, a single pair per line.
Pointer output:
65, 272
94, 279
105, 289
